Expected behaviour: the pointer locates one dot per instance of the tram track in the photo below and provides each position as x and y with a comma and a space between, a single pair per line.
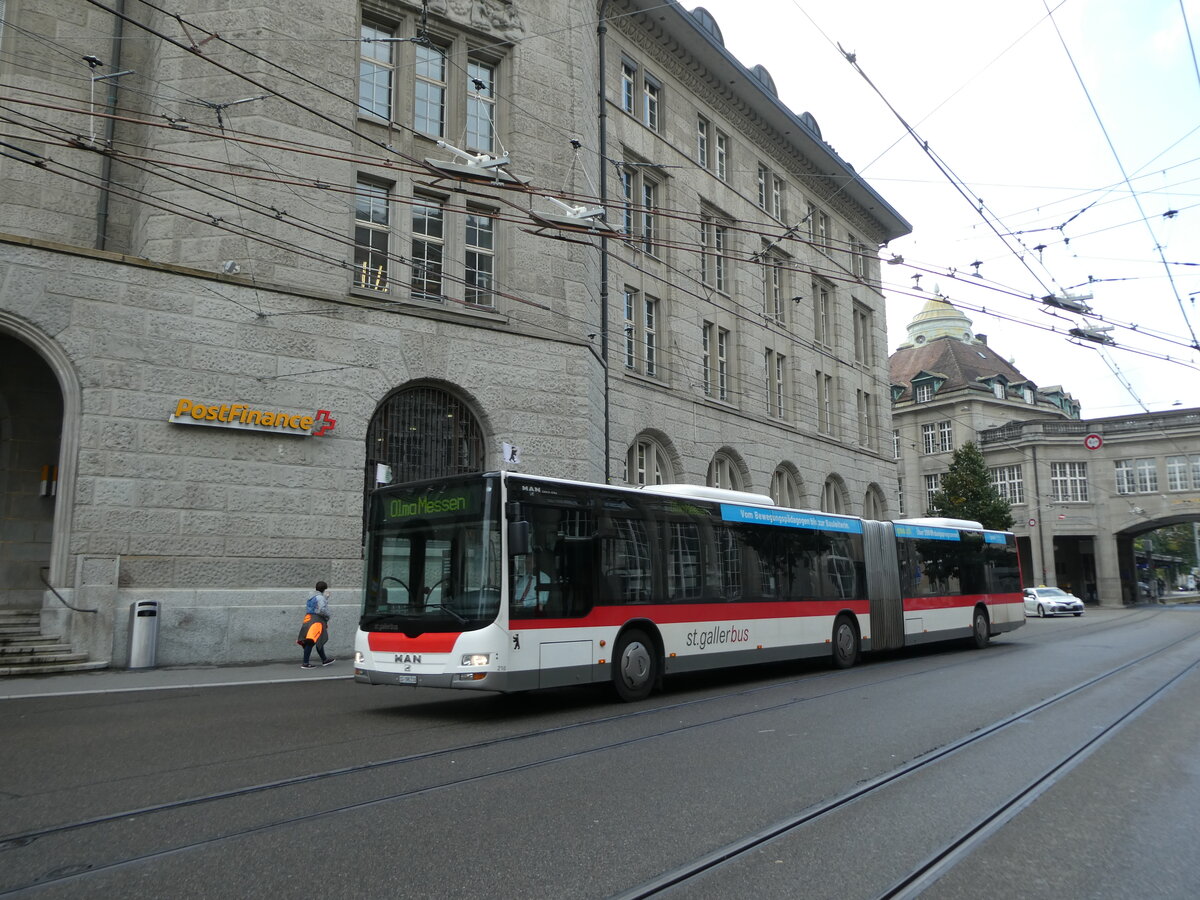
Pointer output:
15, 842
936, 864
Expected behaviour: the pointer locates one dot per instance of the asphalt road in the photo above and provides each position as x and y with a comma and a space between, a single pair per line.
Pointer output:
1058, 762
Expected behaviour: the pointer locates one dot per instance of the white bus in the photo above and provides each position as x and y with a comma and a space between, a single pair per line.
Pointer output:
507, 582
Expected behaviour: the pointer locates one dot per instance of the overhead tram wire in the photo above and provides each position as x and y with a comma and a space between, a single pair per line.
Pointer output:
1121, 166
202, 217
798, 268
177, 45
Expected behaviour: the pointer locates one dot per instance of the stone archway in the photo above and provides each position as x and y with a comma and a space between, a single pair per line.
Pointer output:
39, 434
424, 430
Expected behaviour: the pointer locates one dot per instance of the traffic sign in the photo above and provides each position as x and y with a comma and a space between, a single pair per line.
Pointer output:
1032, 522
1093, 441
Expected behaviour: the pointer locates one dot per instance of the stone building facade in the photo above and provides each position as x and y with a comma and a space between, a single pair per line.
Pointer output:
1081, 489
255, 258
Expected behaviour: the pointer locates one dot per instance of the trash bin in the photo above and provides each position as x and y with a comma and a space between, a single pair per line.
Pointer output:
143, 634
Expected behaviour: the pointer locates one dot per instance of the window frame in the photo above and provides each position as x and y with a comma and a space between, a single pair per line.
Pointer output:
777, 384
472, 291
1009, 482
1069, 482
367, 187
388, 40
715, 345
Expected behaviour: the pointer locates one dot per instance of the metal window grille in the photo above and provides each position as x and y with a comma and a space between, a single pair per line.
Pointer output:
423, 432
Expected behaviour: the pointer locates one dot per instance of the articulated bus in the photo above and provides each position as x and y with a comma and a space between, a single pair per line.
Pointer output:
508, 582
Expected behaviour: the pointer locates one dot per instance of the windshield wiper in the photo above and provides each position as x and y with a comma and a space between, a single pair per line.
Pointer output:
462, 620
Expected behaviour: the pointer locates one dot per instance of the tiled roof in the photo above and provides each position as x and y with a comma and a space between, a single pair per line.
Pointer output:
962, 364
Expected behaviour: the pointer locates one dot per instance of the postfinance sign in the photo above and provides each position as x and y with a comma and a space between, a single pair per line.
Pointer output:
247, 418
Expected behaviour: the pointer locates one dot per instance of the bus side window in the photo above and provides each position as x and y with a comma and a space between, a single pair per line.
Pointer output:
626, 572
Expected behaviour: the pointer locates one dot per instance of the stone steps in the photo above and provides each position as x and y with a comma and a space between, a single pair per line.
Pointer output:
24, 650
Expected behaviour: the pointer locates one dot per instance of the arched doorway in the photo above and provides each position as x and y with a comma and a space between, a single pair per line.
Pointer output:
424, 431
31, 435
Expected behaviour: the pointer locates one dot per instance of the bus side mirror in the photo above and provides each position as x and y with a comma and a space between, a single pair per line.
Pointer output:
518, 538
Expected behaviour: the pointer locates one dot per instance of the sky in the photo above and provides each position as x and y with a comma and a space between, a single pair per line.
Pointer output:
1074, 123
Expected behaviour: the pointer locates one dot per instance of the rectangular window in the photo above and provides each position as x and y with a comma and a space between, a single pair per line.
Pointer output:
715, 347
866, 419
1068, 482
945, 436
428, 248
777, 197
1008, 483
627, 201
1124, 473
376, 70
722, 156
630, 328
651, 93
372, 234
480, 259
649, 208
641, 333
628, 86
824, 403
774, 280
818, 227
822, 312
895, 445
900, 497
929, 438
1183, 473
429, 102
650, 336
776, 364
998, 390
923, 393
863, 328
481, 106
858, 256
764, 177
933, 484
702, 129
1147, 475
714, 237
722, 364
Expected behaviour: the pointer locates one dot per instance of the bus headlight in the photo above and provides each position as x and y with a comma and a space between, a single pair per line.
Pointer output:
476, 659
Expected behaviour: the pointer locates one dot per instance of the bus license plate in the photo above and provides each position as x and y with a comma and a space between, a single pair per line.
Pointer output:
406, 679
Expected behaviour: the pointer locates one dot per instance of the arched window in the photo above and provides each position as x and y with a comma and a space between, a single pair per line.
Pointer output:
723, 472
874, 505
833, 499
423, 432
648, 463
786, 489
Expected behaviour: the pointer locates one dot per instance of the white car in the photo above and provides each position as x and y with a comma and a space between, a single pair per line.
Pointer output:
1050, 601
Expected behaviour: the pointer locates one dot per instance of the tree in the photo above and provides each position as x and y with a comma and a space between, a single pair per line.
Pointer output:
966, 492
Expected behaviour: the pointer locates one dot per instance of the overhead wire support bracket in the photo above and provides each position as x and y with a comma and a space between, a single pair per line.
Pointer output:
572, 217
1075, 304
1097, 335
479, 167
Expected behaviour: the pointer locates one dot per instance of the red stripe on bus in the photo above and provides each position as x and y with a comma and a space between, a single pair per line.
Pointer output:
390, 642
958, 602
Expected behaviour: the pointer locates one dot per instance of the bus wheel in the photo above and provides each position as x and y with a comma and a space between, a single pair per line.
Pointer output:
635, 666
845, 643
979, 630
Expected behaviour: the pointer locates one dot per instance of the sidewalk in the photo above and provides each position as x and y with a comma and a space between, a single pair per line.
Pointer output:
104, 681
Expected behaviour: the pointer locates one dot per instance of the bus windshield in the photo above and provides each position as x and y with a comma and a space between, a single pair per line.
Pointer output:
433, 557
